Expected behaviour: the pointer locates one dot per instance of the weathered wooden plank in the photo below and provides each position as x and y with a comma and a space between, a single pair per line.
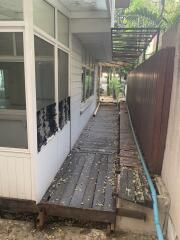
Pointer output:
99, 195
70, 186
60, 174
14, 205
79, 213
125, 212
130, 153
77, 198
91, 185
131, 185
145, 189
62, 181
109, 202
127, 190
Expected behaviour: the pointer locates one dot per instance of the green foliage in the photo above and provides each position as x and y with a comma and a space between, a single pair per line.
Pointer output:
149, 13
171, 13
115, 87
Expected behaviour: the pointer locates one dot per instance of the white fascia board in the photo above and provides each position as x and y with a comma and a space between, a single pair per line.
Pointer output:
89, 14
90, 25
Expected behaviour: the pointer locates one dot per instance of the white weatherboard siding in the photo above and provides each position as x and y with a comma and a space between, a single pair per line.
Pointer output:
54, 153
51, 158
15, 175
78, 121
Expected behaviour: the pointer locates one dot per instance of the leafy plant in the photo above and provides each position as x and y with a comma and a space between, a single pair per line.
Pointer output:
146, 13
115, 87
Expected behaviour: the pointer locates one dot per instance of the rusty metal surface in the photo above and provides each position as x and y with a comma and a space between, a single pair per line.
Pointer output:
148, 98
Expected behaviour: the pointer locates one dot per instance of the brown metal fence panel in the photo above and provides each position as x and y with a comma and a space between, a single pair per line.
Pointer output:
148, 98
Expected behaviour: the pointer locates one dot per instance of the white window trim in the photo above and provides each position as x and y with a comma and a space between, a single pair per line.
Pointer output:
27, 27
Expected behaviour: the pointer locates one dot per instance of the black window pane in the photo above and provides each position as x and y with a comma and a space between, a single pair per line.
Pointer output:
19, 44
62, 74
45, 86
6, 44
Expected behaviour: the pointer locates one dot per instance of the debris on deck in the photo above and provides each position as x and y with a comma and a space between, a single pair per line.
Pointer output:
83, 187
133, 185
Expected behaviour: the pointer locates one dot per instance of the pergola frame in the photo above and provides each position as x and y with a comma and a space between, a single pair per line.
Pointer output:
129, 43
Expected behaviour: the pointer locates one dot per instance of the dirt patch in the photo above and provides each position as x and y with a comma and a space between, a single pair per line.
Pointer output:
60, 230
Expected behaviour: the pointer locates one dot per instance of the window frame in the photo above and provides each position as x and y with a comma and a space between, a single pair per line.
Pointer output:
17, 27
91, 70
28, 29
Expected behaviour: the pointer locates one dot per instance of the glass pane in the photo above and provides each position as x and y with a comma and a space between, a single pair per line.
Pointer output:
6, 43
44, 16
62, 74
83, 84
45, 87
11, 44
87, 79
11, 10
12, 93
92, 84
19, 44
63, 29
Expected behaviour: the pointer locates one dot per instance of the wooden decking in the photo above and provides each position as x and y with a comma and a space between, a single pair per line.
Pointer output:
83, 187
92, 185
133, 185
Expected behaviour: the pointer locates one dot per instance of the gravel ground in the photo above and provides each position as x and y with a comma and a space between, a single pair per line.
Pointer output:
59, 230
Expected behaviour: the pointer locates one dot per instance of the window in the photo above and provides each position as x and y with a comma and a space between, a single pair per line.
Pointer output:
63, 93
12, 91
44, 16
63, 75
11, 44
83, 84
45, 91
11, 10
87, 83
63, 29
2, 87
45, 86
91, 84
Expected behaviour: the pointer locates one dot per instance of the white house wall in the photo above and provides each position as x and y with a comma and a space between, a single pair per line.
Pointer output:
78, 119
26, 174
54, 153
50, 159
15, 174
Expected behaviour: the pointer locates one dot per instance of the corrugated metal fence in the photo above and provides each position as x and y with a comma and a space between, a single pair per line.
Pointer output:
148, 98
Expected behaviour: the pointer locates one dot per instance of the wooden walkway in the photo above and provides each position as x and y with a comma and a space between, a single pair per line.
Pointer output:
133, 185
83, 187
